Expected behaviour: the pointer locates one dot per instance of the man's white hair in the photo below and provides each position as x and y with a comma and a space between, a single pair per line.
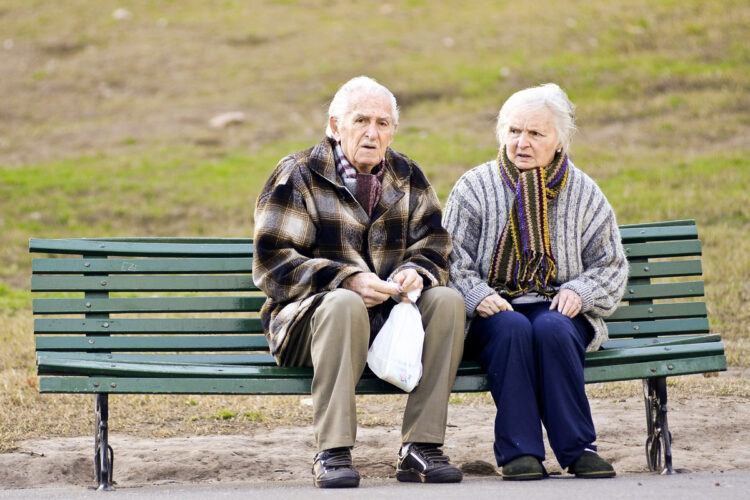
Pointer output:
341, 103
549, 96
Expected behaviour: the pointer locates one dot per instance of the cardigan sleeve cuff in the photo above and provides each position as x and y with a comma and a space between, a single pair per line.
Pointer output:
475, 297
584, 291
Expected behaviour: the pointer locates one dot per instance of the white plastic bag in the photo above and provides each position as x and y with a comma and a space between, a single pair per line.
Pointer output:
396, 353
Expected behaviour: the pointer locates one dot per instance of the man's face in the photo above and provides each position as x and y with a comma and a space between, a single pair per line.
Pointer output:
365, 131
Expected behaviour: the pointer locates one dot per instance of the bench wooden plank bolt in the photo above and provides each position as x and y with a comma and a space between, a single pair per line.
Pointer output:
179, 316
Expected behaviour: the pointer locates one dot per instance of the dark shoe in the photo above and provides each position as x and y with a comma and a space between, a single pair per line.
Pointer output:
591, 465
425, 463
524, 468
334, 469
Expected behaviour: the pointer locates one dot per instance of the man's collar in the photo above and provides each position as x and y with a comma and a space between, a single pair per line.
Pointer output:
322, 160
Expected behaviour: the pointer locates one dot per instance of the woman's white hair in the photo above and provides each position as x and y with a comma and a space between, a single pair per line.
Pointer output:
341, 103
549, 96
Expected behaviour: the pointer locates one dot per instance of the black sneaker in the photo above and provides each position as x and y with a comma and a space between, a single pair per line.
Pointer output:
334, 469
591, 465
425, 463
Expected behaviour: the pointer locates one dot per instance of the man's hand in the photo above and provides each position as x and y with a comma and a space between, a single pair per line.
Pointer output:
493, 304
408, 280
372, 289
567, 302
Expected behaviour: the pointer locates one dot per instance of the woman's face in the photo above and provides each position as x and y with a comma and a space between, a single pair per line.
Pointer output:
531, 138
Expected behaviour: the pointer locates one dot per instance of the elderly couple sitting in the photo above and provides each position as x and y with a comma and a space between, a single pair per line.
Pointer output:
518, 273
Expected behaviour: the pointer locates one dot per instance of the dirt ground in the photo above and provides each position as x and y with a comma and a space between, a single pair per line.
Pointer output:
709, 434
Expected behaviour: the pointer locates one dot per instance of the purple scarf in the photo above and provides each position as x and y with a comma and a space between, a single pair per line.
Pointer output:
369, 187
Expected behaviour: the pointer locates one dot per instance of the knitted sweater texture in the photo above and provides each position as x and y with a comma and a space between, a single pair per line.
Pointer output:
584, 238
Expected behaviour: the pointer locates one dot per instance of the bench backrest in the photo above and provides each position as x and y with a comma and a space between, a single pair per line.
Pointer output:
171, 295
664, 281
194, 299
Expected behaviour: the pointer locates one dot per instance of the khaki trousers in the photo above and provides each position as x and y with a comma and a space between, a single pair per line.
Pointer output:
334, 340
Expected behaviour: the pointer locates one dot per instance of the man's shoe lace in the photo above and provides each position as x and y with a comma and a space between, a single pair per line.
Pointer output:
431, 453
337, 457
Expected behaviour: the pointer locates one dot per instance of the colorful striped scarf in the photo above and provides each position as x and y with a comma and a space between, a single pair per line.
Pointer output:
523, 259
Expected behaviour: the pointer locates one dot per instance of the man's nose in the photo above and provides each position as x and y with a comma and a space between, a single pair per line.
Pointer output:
371, 130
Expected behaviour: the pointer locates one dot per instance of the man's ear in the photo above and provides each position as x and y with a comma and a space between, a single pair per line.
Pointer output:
334, 124
393, 135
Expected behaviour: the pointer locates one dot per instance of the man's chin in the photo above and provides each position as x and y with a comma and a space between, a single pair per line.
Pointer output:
367, 164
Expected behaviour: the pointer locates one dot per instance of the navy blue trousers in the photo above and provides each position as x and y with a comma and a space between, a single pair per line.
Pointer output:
534, 360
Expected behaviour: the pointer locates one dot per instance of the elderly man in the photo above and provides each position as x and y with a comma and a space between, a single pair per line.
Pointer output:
333, 224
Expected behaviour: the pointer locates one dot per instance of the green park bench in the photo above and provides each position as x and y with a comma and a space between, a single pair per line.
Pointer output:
179, 316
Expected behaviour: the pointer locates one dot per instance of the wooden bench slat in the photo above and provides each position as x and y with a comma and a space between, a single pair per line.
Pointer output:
142, 265
267, 359
639, 233
210, 247
204, 240
206, 359
665, 223
245, 283
664, 291
75, 366
651, 341
648, 353
658, 327
53, 283
114, 385
658, 311
112, 326
56, 365
102, 365
662, 368
152, 343
149, 305
278, 386
665, 269
367, 385
663, 249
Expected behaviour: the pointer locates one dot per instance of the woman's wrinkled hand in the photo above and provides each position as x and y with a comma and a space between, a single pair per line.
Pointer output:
567, 302
493, 304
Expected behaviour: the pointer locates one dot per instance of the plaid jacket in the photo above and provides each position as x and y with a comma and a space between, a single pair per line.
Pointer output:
311, 234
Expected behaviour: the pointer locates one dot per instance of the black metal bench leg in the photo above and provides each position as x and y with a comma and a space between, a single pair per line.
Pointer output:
104, 456
659, 440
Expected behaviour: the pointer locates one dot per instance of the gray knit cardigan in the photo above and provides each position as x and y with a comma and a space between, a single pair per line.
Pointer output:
584, 238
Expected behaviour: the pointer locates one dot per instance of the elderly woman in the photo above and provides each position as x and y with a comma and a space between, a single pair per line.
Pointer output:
539, 261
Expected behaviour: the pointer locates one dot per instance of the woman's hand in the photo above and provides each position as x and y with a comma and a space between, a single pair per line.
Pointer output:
567, 302
493, 304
